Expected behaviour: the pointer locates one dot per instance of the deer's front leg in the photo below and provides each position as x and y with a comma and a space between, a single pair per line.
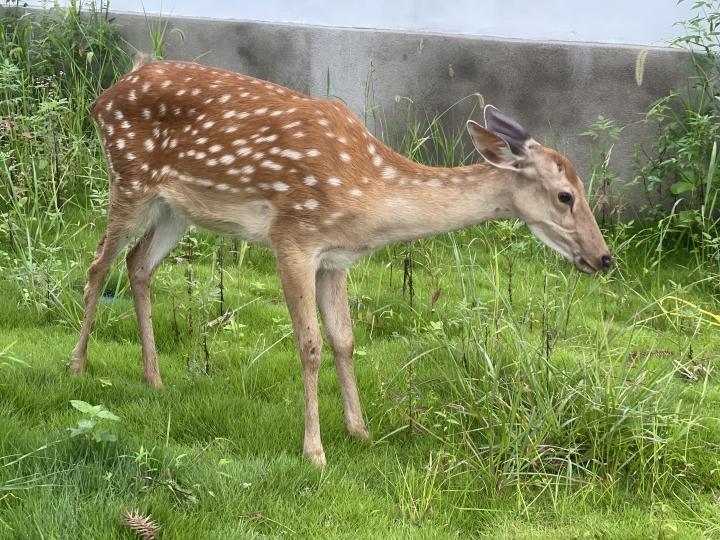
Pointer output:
297, 274
335, 312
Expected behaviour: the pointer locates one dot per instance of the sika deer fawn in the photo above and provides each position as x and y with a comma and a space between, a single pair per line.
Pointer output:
240, 156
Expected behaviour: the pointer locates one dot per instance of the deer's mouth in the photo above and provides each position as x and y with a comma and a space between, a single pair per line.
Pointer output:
584, 266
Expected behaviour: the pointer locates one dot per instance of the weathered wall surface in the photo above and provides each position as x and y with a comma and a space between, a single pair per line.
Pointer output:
557, 89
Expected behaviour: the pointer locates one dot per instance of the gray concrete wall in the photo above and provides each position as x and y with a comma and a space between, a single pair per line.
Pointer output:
556, 89
640, 22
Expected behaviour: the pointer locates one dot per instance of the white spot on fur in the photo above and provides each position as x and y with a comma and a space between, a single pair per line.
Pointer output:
269, 138
389, 173
312, 153
311, 204
227, 159
377, 161
271, 165
291, 154
149, 145
120, 143
224, 98
215, 148
292, 125
280, 186
355, 192
345, 157
333, 181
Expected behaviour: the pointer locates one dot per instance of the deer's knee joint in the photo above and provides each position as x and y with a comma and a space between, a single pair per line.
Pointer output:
344, 345
310, 349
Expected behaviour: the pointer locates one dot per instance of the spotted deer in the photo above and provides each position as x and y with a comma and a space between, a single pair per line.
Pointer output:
189, 144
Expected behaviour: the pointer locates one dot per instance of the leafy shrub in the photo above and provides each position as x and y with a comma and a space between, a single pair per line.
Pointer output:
682, 162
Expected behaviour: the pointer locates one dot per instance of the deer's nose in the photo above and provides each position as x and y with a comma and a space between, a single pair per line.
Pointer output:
606, 262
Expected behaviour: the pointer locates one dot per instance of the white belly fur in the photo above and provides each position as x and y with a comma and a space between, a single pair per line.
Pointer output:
249, 220
340, 259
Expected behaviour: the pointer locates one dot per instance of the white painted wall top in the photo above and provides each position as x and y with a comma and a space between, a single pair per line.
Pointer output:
641, 22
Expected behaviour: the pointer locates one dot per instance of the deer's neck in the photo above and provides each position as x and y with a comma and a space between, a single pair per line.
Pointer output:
420, 201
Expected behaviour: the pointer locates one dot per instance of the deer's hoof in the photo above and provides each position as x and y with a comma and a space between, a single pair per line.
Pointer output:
316, 457
359, 431
153, 380
76, 366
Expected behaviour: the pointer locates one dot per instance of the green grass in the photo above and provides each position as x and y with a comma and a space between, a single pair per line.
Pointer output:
219, 455
513, 398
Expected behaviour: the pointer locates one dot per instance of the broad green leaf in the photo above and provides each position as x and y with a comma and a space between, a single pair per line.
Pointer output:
681, 187
107, 415
81, 406
86, 424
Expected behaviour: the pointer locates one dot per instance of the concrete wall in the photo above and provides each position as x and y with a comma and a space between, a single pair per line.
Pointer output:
645, 22
556, 89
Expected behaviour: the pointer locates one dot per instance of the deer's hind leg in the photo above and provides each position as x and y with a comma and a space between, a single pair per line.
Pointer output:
332, 300
162, 236
124, 218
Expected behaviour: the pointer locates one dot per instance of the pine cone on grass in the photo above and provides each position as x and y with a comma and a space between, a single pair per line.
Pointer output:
144, 526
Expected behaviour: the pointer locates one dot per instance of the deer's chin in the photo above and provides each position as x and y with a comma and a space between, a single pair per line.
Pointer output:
582, 265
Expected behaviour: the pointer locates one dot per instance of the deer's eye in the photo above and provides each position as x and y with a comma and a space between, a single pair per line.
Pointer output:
560, 166
565, 197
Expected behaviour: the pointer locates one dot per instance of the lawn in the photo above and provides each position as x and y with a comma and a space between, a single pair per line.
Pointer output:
216, 453
507, 395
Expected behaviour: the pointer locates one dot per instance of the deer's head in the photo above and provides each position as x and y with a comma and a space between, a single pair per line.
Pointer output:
549, 196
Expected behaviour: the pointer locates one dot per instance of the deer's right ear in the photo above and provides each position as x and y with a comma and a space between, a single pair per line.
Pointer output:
493, 148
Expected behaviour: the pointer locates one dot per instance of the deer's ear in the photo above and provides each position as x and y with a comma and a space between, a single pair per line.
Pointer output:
508, 129
493, 148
